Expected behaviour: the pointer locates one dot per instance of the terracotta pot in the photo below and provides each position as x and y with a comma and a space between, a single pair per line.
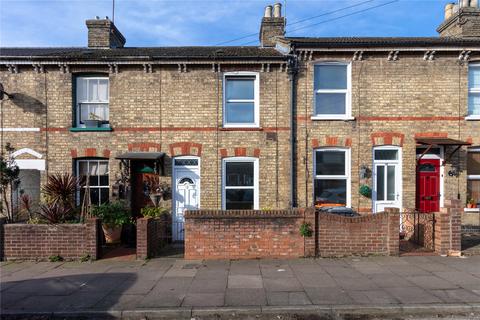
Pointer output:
112, 233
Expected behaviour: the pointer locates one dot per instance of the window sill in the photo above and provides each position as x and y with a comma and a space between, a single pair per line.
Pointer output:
91, 129
241, 129
337, 118
471, 209
472, 118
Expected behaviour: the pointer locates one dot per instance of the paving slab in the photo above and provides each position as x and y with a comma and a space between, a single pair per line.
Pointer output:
287, 298
115, 301
412, 295
282, 284
328, 296
375, 297
208, 285
431, 282
245, 297
245, 281
204, 300
456, 295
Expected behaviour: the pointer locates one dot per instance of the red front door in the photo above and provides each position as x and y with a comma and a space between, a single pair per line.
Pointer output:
428, 185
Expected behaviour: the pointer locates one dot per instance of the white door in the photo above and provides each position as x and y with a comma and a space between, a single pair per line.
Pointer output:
387, 179
186, 175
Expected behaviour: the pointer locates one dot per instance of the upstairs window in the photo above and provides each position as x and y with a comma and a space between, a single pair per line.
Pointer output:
474, 91
241, 100
332, 91
92, 102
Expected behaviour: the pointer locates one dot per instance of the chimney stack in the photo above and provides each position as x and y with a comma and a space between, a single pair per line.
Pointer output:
103, 34
273, 26
462, 20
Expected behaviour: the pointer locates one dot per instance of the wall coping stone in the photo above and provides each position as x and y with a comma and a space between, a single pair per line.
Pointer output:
243, 214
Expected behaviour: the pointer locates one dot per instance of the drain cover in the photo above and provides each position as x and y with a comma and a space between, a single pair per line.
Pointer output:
191, 266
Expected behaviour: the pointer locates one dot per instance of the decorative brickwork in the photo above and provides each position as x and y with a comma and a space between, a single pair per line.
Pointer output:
239, 152
387, 138
40, 241
185, 149
152, 236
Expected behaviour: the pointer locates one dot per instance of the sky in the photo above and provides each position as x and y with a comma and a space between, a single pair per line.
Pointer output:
144, 23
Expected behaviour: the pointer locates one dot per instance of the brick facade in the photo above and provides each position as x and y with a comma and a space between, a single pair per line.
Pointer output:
39, 241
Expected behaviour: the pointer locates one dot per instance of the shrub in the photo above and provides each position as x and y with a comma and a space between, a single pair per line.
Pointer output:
154, 212
55, 258
306, 230
60, 190
112, 213
54, 213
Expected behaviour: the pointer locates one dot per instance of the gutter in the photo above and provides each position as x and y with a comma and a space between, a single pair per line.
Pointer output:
292, 73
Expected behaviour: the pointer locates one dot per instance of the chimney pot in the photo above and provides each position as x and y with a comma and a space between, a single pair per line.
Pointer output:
448, 10
268, 12
277, 10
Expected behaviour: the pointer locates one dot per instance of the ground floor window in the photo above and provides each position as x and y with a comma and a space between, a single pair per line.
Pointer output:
240, 183
332, 176
95, 172
473, 176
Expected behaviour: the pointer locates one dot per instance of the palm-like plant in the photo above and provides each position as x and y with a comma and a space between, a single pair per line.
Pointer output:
54, 213
60, 190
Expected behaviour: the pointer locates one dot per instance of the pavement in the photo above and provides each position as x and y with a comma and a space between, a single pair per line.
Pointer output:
176, 288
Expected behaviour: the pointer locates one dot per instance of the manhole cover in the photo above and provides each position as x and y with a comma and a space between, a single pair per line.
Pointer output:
191, 266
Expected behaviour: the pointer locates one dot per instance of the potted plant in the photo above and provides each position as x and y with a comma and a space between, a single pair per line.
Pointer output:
93, 121
471, 203
113, 215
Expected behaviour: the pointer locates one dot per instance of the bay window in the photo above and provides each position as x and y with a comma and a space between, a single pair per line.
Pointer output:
240, 183
332, 176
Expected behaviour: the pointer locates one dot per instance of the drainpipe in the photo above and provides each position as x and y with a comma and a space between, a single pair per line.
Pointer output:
292, 72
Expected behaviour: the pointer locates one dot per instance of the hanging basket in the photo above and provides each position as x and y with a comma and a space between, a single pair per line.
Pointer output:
365, 191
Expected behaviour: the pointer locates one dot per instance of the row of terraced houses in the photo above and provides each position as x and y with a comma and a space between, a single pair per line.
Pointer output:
367, 123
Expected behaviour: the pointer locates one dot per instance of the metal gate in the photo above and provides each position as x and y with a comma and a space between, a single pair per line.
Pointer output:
417, 231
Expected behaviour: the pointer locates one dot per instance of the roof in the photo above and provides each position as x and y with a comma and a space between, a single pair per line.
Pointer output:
344, 42
146, 53
442, 142
141, 156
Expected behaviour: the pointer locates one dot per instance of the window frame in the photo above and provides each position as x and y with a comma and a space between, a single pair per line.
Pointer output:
255, 186
77, 104
473, 177
471, 91
348, 93
347, 176
256, 100
77, 174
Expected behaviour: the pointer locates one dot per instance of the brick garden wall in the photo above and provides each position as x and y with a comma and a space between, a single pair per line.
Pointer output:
448, 228
152, 235
372, 234
40, 241
244, 234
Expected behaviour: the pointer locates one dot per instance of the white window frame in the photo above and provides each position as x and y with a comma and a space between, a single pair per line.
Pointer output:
256, 100
473, 176
255, 187
79, 102
348, 93
471, 91
347, 176
77, 172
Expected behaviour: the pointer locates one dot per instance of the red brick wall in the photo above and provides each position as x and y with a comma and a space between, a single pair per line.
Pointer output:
40, 241
152, 235
244, 234
448, 228
372, 234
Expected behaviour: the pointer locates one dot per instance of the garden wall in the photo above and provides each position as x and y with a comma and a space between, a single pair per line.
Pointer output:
152, 236
40, 241
246, 234
448, 228
365, 235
